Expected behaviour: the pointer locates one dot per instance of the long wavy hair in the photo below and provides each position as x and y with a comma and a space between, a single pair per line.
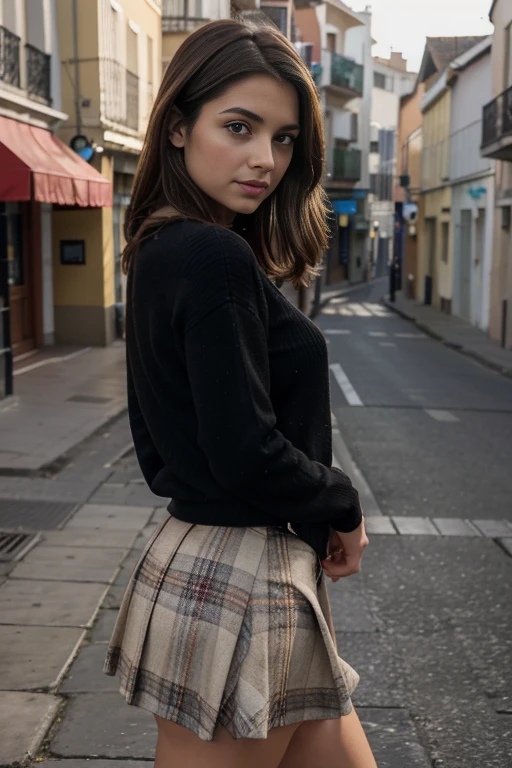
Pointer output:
288, 232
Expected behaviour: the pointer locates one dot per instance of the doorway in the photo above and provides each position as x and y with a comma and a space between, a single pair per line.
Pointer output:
466, 224
16, 248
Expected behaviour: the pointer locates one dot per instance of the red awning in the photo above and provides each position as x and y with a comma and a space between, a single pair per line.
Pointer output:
59, 175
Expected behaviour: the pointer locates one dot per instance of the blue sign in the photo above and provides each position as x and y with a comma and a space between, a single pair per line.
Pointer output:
344, 206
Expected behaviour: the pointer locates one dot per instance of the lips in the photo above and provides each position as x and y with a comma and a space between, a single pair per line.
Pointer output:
253, 188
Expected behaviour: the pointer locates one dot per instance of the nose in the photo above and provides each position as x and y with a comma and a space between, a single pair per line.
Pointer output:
262, 156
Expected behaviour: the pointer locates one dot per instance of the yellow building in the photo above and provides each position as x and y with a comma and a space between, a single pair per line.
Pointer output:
110, 53
42, 180
435, 262
497, 143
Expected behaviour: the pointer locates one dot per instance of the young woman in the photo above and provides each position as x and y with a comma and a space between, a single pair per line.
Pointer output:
225, 631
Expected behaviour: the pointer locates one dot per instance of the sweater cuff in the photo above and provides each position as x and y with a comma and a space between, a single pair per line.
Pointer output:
351, 519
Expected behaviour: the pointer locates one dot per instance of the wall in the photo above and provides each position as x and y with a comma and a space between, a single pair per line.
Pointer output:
307, 22
470, 92
410, 120
436, 150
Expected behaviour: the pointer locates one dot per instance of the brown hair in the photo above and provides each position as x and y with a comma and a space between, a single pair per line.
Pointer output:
288, 231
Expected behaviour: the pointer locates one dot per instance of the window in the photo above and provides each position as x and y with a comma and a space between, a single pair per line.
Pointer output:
508, 57
379, 80
445, 241
331, 42
374, 147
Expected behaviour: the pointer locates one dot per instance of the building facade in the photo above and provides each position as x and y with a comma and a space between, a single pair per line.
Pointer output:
472, 183
408, 184
110, 71
323, 40
497, 145
391, 81
42, 181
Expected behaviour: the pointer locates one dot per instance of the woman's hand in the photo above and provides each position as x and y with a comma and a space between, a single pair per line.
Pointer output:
346, 552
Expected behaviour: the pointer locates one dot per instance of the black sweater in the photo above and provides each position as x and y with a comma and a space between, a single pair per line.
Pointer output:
228, 390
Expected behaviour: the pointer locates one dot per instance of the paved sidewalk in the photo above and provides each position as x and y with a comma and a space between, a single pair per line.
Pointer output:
454, 332
62, 395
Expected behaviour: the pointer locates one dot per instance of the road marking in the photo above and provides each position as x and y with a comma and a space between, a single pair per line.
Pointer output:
338, 332
51, 361
441, 415
342, 459
345, 385
387, 344
377, 333
410, 335
377, 309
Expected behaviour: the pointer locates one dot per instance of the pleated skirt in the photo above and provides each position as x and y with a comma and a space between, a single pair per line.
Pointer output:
232, 627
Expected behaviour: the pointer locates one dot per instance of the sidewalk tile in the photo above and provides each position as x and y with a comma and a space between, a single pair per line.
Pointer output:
111, 517
24, 721
379, 525
89, 537
86, 674
103, 724
493, 528
49, 603
454, 526
415, 526
506, 543
33, 657
70, 564
114, 597
379, 661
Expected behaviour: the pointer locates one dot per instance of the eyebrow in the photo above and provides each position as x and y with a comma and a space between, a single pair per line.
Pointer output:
257, 119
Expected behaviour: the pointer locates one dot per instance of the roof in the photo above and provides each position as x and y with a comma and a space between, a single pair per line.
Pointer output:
470, 56
441, 51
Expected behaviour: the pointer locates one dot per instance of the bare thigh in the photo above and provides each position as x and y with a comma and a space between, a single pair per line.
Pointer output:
178, 746
339, 743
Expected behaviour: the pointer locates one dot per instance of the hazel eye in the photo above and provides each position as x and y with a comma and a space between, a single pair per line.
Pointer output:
237, 129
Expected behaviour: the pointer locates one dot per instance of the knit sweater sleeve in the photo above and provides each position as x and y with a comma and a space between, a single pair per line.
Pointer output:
221, 318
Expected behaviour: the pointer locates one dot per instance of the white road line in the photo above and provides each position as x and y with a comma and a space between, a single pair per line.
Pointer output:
377, 309
360, 310
441, 415
337, 331
377, 333
345, 385
342, 459
51, 361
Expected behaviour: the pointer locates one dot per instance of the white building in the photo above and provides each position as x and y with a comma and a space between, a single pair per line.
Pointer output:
472, 180
391, 81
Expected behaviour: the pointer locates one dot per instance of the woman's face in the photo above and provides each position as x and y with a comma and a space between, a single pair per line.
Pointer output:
241, 146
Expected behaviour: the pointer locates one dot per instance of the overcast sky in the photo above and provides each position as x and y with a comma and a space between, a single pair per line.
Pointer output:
403, 24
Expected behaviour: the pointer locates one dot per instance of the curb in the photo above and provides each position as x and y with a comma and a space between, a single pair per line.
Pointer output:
507, 372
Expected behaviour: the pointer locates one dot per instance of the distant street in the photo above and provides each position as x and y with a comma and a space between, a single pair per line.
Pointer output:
433, 435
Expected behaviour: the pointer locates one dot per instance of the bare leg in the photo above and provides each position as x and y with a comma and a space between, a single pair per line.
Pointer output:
178, 747
339, 743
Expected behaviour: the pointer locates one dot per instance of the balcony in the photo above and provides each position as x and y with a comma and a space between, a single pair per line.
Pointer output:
182, 15
347, 164
38, 72
341, 76
497, 127
9, 57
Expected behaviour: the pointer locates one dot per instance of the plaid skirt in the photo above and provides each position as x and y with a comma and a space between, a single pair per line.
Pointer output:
229, 626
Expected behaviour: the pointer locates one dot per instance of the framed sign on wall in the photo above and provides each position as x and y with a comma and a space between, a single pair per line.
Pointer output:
72, 252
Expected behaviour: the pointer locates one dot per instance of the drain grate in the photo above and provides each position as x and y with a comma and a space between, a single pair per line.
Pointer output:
14, 546
34, 515
89, 399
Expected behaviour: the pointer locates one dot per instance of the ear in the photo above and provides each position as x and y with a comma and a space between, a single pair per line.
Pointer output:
177, 130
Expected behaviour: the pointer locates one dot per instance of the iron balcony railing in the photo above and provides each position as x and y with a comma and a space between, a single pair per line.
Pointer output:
347, 164
346, 73
38, 72
9, 57
497, 118
182, 15
132, 101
